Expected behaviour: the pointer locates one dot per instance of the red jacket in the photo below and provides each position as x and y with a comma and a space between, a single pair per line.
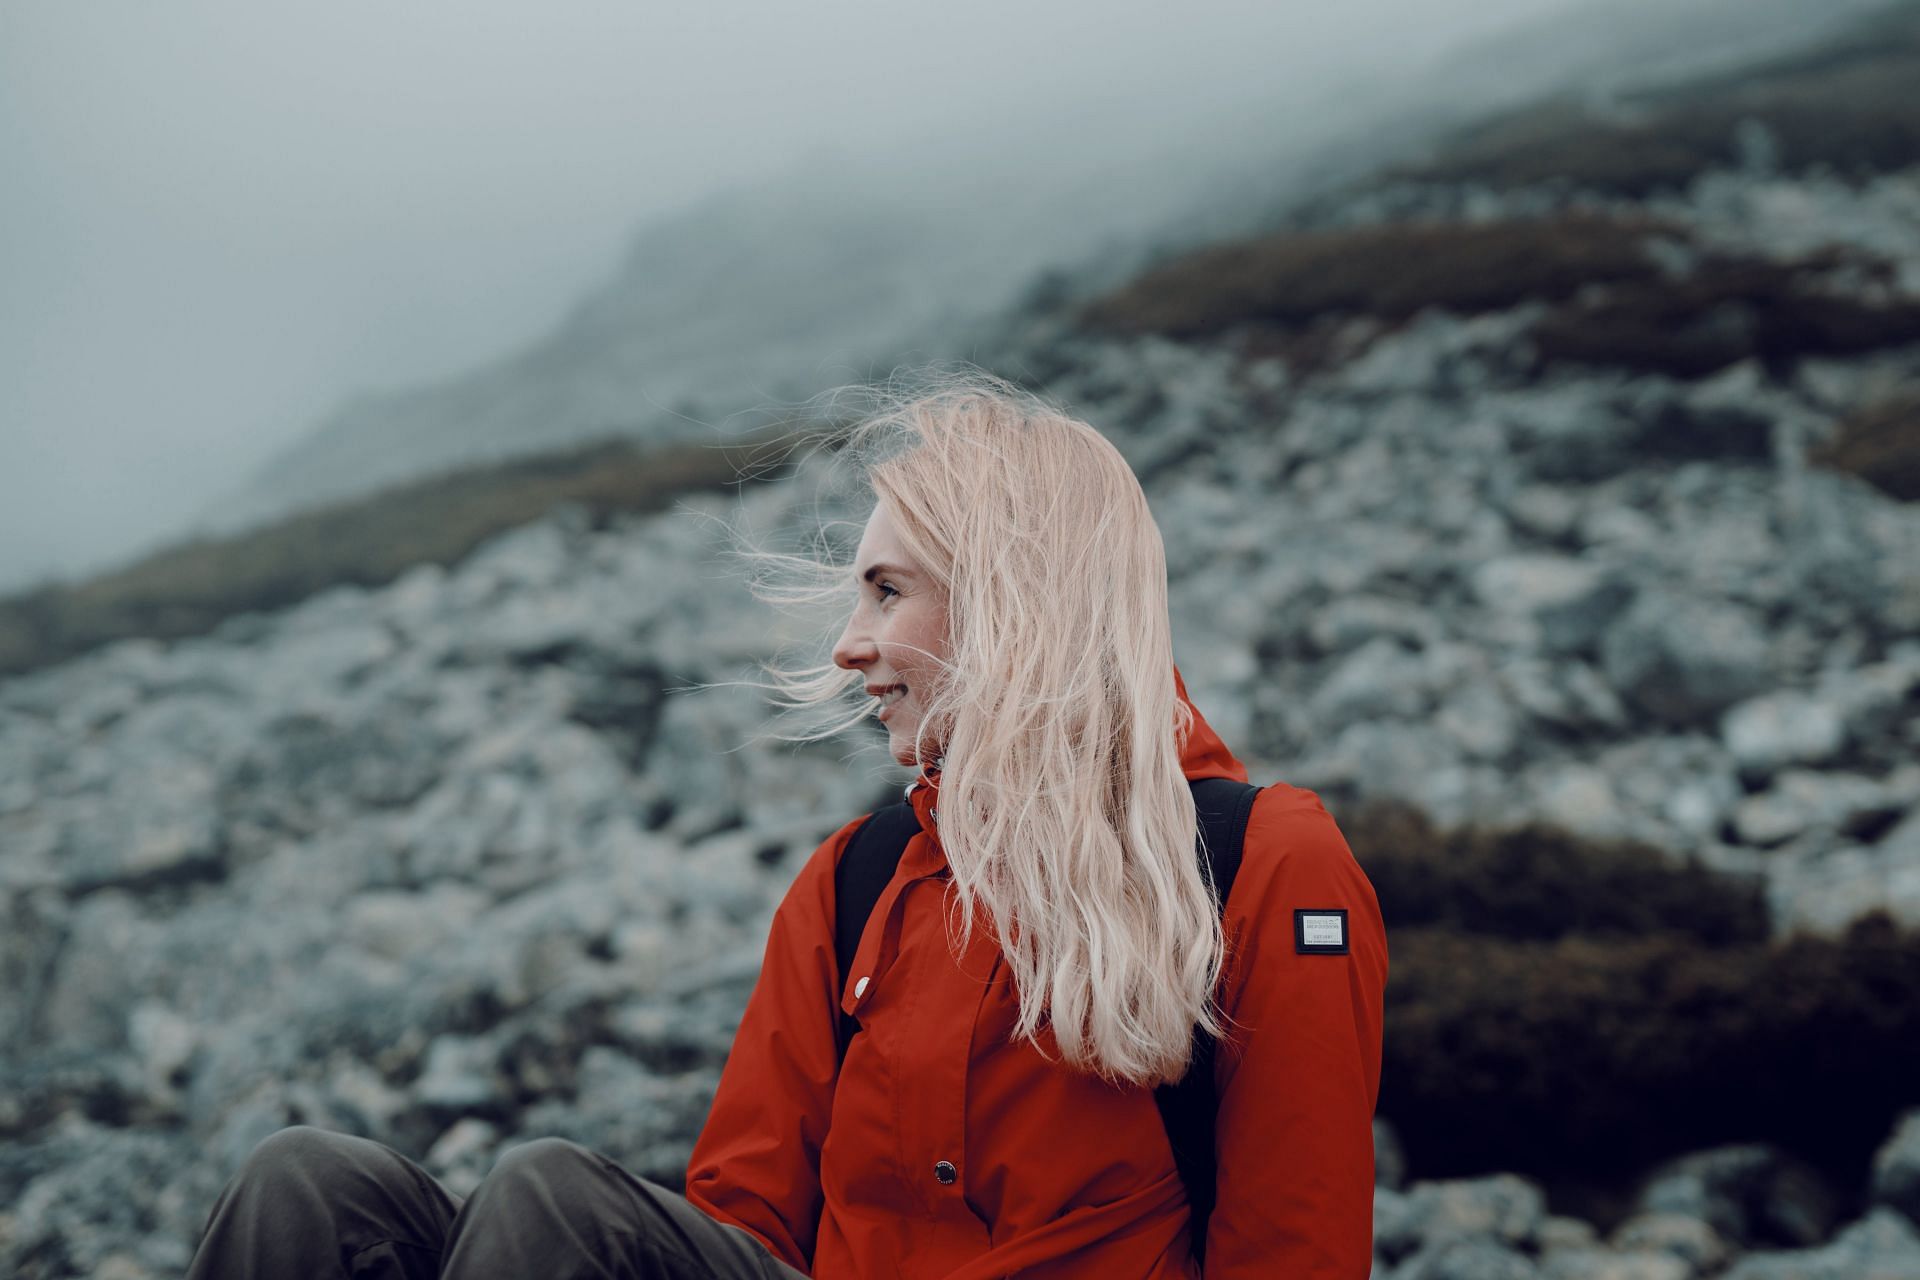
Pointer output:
839, 1169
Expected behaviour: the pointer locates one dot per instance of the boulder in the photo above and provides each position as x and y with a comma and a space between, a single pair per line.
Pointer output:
1748, 1194
1502, 1210
1571, 601
1389, 1161
1468, 1260
1683, 660
1896, 1168
1801, 800
1786, 728
1348, 622
1606, 1264
1881, 1246
1691, 1240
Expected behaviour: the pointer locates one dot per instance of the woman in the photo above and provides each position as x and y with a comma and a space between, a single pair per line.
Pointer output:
1038, 961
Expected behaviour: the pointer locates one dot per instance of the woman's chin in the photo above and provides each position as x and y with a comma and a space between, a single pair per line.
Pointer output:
902, 748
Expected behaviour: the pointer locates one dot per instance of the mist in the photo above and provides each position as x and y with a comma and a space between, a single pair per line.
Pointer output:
220, 221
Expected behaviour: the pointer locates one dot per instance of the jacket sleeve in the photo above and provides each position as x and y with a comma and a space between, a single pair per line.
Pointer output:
1299, 1071
756, 1163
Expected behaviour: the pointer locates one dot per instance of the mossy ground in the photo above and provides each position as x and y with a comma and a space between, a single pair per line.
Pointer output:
191, 588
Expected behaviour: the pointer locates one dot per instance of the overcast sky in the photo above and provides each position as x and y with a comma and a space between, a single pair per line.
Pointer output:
219, 218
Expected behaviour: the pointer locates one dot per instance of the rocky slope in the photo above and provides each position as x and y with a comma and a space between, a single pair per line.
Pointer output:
479, 856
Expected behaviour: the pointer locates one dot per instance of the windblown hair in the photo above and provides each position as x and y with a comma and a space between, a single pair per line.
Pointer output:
1064, 812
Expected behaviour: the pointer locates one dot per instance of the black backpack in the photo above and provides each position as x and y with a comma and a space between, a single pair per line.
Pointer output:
1186, 1108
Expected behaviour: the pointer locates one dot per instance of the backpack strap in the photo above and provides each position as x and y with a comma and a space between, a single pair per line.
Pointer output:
1188, 1107
866, 866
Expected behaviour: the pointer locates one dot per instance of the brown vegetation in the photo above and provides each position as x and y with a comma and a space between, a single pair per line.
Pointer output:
1726, 311
1849, 107
1881, 445
1539, 883
190, 588
1574, 1009
1588, 1057
1297, 295
1389, 272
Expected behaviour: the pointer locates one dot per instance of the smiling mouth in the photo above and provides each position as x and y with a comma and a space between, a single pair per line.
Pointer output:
888, 697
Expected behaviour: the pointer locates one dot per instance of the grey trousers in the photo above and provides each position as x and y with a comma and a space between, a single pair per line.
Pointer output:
309, 1203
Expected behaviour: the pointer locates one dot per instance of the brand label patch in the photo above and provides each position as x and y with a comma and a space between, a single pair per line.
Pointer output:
1320, 931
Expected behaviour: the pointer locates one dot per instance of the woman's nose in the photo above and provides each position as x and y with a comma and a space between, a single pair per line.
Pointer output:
854, 649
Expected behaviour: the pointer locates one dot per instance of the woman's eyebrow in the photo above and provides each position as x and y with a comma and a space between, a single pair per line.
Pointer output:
891, 570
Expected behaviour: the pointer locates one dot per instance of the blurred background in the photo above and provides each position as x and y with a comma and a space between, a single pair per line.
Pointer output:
1528, 392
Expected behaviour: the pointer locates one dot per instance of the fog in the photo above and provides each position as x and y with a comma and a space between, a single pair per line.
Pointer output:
218, 220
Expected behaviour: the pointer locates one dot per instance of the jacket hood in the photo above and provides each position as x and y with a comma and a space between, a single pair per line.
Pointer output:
1204, 755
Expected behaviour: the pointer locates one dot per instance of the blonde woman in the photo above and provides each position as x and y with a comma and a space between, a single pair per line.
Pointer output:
1051, 1050
1048, 943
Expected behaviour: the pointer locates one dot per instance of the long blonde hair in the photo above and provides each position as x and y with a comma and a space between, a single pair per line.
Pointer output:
1064, 812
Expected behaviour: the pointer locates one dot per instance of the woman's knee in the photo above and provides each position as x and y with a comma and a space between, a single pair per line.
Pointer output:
544, 1160
297, 1144
306, 1153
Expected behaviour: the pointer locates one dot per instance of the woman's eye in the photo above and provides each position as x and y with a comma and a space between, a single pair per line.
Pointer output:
886, 589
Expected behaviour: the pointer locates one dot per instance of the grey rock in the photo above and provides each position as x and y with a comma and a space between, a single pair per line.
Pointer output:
1467, 1260
309, 768
1896, 1168
33, 927
398, 923
156, 826
163, 1042
1683, 660
1777, 729
1827, 888
1576, 797
1396, 1233
1569, 695
1347, 623
1881, 1246
1375, 757
1604, 1264
461, 1157
1746, 1193
1389, 1160
106, 1193
645, 1121
89, 999
459, 1074
1563, 1233
1502, 1209
1481, 720
1572, 602
1698, 807
1545, 511
1379, 679
1873, 700
1691, 1240
1801, 800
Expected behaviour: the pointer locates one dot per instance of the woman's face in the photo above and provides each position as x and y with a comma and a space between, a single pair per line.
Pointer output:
897, 637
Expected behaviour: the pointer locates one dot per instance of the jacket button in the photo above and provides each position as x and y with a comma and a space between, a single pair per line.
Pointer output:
859, 988
945, 1172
